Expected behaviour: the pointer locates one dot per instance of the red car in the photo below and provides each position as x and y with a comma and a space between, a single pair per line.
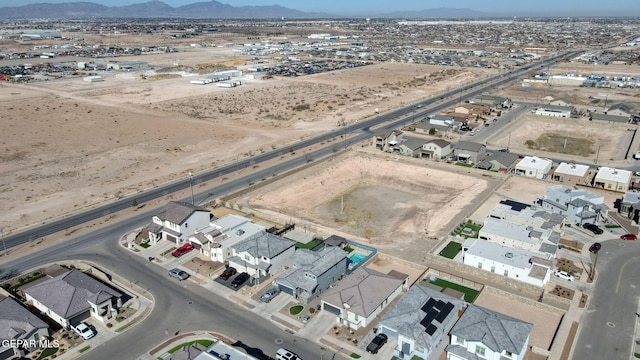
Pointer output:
628, 237
227, 273
182, 250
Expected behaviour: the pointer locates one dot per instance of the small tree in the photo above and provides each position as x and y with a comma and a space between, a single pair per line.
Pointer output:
432, 131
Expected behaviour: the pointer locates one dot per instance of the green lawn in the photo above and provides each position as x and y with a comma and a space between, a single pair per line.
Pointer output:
310, 245
295, 310
464, 164
25, 282
145, 244
205, 343
469, 294
48, 352
451, 250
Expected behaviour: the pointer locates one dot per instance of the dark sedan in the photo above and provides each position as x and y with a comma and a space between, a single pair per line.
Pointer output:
377, 343
240, 279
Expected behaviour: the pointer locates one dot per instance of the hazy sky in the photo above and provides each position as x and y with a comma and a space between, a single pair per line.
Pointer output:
372, 7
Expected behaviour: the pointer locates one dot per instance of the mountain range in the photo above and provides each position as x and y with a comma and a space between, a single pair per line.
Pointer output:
200, 10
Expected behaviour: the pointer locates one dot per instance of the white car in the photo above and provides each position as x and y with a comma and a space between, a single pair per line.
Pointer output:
83, 330
563, 275
284, 354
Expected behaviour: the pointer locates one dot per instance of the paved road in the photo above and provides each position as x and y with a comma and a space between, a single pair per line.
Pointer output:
607, 327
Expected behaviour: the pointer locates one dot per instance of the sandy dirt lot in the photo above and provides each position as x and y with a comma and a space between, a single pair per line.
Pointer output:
70, 144
392, 205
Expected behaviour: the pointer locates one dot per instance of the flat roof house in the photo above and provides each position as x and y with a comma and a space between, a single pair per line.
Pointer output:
554, 111
519, 264
612, 179
363, 295
176, 221
73, 296
486, 334
18, 323
571, 173
312, 272
419, 321
533, 166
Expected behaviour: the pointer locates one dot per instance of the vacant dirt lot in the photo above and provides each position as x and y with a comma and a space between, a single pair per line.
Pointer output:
69, 144
393, 205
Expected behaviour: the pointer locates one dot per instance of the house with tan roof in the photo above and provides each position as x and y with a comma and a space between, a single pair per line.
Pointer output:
572, 174
73, 296
362, 296
176, 221
612, 179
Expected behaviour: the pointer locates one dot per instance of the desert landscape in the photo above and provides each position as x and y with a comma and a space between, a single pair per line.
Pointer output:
70, 144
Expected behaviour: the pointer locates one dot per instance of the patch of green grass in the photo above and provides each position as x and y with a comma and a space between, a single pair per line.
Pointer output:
469, 294
295, 310
348, 249
310, 245
25, 282
416, 357
84, 349
464, 164
612, 226
451, 250
47, 352
203, 342
145, 244
636, 355
355, 356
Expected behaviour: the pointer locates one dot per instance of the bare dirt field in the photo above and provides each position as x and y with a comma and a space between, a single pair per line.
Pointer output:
392, 205
585, 141
69, 144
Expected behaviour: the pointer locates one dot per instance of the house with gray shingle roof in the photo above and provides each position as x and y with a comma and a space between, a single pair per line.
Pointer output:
383, 139
411, 146
261, 254
364, 294
469, 151
177, 221
73, 296
436, 149
419, 321
620, 109
499, 161
18, 323
486, 334
312, 272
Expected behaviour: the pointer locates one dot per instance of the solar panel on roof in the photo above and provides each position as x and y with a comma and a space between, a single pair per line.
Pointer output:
431, 329
428, 319
515, 206
428, 305
444, 312
439, 305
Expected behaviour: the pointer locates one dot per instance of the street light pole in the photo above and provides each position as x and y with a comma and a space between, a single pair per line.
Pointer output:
191, 186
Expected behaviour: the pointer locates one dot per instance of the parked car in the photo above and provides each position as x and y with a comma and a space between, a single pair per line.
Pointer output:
270, 294
227, 273
179, 274
240, 279
83, 330
564, 275
377, 343
284, 354
595, 247
593, 228
182, 250
628, 237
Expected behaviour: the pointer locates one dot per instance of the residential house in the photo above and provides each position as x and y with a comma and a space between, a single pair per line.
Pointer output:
554, 111
529, 215
499, 161
18, 323
472, 109
561, 102
261, 254
419, 321
436, 149
363, 295
579, 206
493, 101
411, 146
385, 138
219, 350
609, 118
312, 272
469, 151
519, 264
487, 334
571, 173
630, 206
73, 296
502, 232
335, 240
445, 121
177, 221
533, 166
620, 109
612, 179
217, 239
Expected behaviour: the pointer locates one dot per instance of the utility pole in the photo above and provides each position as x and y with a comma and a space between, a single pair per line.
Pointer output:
191, 186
